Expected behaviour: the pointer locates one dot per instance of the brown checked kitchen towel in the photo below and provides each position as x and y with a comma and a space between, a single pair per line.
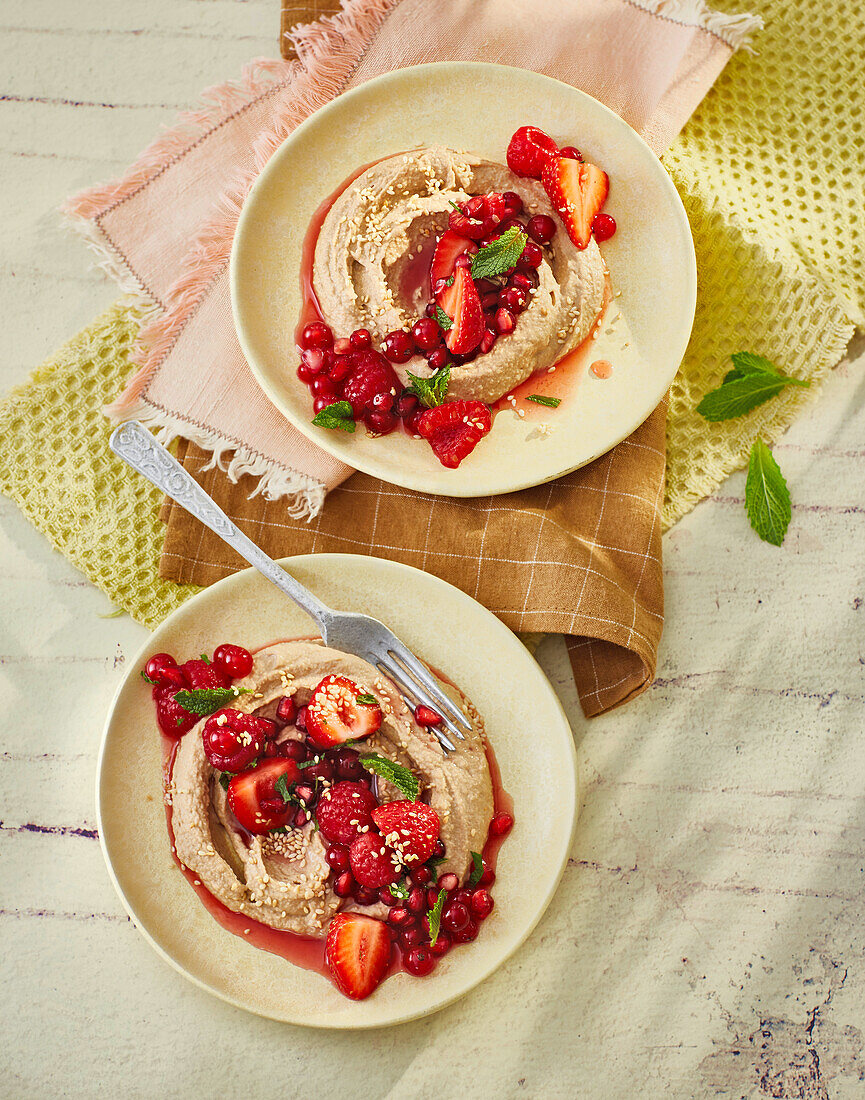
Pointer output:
580, 556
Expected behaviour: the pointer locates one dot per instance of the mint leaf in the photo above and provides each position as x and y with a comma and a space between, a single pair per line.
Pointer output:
449, 281
477, 869
224, 780
550, 402
204, 658
752, 381
444, 321
456, 207
368, 700
309, 763
208, 700
144, 676
432, 390
394, 773
336, 415
434, 916
767, 498
399, 890
499, 255
279, 829
281, 787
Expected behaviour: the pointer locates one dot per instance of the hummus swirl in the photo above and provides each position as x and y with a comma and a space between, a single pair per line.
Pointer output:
371, 265
282, 879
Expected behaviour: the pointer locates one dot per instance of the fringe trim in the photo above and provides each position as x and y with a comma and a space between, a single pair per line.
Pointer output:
303, 495
735, 30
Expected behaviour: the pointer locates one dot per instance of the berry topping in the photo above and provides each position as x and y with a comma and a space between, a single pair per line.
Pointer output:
342, 816
513, 204
256, 801
571, 152
233, 740
541, 228
411, 828
464, 224
426, 334
482, 904
316, 335
603, 226
529, 150
173, 719
336, 857
373, 863
501, 823
454, 429
505, 321
337, 712
461, 303
233, 660
371, 375
420, 961
357, 953
578, 191
449, 248
398, 347
360, 339
162, 669
426, 716
200, 674
286, 710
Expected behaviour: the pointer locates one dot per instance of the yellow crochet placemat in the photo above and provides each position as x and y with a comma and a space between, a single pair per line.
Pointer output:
770, 169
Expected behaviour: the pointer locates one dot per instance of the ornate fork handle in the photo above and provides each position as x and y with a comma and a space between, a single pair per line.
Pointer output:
136, 446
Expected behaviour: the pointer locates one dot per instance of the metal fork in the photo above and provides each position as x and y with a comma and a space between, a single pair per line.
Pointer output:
346, 630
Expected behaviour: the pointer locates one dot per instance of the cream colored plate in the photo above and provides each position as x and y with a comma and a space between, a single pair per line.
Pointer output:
526, 727
475, 107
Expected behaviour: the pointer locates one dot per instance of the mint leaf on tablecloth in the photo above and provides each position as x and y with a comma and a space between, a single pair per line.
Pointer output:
432, 390
767, 498
336, 415
752, 381
394, 773
499, 255
748, 362
207, 700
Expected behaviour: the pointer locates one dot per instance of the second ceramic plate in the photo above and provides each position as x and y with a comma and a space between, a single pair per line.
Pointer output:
475, 107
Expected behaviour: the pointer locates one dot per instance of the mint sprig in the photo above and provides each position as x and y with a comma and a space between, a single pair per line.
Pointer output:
367, 700
394, 773
752, 381
281, 788
208, 700
399, 890
432, 390
444, 321
434, 916
477, 868
336, 415
499, 255
144, 676
539, 399
767, 498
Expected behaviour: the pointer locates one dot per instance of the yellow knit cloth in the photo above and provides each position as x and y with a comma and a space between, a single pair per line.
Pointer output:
771, 171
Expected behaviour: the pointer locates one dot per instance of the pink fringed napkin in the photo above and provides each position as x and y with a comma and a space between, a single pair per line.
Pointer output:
164, 230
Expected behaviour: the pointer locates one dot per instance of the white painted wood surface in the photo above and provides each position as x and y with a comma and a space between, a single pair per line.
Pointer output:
708, 937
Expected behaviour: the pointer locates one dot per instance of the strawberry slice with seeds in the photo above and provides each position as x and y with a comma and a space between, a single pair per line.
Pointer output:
336, 713
577, 190
529, 150
462, 303
450, 246
410, 828
454, 429
357, 953
373, 863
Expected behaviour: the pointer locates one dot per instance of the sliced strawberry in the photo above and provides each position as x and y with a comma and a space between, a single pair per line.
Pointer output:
529, 150
201, 674
334, 714
454, 429
357, 953
450, 246
374, 863
255, 800
343, 810
410, 828
462, 303
577, 190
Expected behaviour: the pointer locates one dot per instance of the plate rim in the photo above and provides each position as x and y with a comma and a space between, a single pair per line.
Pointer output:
340, 1025
459, 489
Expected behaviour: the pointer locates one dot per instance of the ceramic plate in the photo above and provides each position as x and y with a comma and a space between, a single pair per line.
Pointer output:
475, 107
482, 656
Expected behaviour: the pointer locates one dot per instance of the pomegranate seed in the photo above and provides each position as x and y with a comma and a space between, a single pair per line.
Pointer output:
432, 896
442, 945
448, 881
571, 152
416, 900
322, 770
305, 373
466, 934
300, 721
420, 961
294, 750
465, 260
387, 898
323, 387
482, 904
411, 937
320, 403
439, 850
426, 333
158, 665
407, 403
341, 368
541, 228
347, 764
421, 876
531, 256
513, 299
513, 203
365, 895
286, 710
382, 422
455, 916
360, 339
603, 226
490, 300
300, 819
271, 749
438, 358
505, 321
315, 359
398, 347
316, 335
502, 823
521, 281
463, 896
342, 346
383, 402
485, 286
400, 917
476, 205
526, 275
305, 793
233, 660
337, 857
488, 877
426, 716
413, 421
173, 677
488, 340
430, 309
